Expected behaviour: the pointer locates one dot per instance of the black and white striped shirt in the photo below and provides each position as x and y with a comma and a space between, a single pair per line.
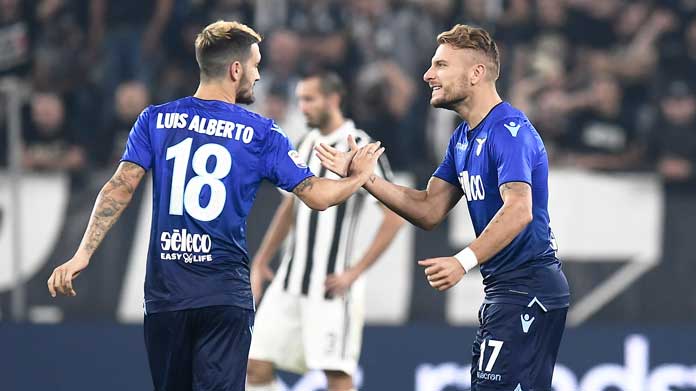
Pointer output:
322, 243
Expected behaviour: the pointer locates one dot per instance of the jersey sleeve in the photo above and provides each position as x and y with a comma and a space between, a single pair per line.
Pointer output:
138, 147
447, 170
514, 148
283, 166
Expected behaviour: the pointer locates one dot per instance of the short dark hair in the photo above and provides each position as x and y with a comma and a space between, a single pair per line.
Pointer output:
329, 82
221, 43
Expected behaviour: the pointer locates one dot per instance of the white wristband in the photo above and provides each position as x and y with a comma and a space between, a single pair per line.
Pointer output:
467, 259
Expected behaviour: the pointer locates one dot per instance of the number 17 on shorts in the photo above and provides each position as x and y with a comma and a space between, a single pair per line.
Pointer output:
516, 347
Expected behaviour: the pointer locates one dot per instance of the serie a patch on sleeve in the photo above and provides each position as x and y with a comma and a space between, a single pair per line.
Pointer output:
295, 156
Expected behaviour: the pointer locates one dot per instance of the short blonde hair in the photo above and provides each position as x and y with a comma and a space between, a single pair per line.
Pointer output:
463, 36
223, 42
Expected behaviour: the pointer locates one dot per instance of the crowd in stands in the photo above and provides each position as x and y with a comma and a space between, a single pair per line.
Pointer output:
609, 84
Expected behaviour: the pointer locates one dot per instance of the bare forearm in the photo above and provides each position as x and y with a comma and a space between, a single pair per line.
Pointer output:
113, 198
277, 232
408, 203
111, 201
503, 228
322, 193
385, 234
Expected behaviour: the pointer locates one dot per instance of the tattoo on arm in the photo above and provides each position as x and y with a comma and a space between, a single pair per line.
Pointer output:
373, 178
112, 200
517, 188
305, 185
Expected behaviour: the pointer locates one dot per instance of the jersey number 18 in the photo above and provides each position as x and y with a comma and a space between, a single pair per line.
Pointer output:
187, 195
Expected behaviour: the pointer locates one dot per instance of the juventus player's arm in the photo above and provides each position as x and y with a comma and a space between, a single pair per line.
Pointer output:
391, 223
113, 198
322, 193
516, 212
277, 232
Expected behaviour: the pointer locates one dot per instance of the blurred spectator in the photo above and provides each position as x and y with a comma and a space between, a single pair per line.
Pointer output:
15, 39
284, 112
127, 33
130, 99
382, 98
239, 10
59, 42
584, 71
179, 74
678, 54
281, 70
49, 142
321, 28
674, 136
484, 13
604, 134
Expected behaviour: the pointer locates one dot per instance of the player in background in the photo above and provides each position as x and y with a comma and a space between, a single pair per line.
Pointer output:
497, 161
208, 156
312, 315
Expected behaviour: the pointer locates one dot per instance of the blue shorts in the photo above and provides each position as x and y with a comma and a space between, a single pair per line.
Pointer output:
199, 349
519, 346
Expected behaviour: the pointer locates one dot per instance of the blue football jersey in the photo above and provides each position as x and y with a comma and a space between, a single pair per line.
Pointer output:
503, 148
207, 160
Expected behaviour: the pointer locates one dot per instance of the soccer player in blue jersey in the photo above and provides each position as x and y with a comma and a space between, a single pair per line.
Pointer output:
208, 156
497, 161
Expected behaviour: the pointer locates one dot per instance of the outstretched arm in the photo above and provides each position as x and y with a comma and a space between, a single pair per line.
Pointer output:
113, 198
423, 208
322, 193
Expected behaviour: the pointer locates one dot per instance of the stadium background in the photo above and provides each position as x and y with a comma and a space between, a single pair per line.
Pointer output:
608, 83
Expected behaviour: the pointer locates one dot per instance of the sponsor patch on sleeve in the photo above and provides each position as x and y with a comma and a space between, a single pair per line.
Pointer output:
295, 156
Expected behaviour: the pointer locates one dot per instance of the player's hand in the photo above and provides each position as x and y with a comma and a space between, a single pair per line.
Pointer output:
337, 161
442, 273
338, 284
364, 162
62, 277
259, 275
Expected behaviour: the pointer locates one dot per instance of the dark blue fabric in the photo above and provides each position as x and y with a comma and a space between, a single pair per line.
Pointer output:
202, 349
504, 147
208, 159
524, 358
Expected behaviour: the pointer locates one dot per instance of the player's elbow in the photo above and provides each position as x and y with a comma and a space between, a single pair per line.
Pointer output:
318, 205
427, 226
428, 223
314, 201
522, 212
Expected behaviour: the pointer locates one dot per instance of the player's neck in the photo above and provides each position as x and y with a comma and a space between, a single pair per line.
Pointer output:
336, 121
214, 91
475, 109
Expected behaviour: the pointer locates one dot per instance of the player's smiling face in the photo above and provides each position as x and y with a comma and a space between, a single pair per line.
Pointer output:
251, 75
449, 76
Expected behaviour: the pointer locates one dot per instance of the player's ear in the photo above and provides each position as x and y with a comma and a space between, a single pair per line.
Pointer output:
236, 71
335, 100
478, 72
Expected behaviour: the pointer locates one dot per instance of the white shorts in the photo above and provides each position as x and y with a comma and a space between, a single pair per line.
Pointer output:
298, 333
